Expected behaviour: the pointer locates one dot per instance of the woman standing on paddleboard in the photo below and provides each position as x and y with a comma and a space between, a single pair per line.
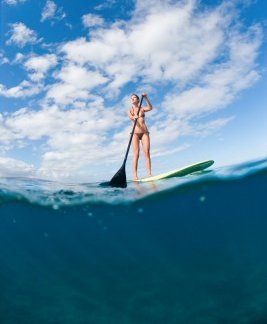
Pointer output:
141, 133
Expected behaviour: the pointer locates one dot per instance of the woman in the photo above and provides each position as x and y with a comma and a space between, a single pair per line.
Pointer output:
141, 133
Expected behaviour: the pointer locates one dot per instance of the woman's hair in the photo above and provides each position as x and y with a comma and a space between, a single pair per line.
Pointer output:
135, 95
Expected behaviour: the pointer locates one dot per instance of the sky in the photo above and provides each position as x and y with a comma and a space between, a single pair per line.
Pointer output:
68, 69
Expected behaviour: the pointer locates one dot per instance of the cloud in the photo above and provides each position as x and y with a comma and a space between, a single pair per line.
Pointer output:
3, 59
21, 35
24, 89
210, 127
173, 54
75, 138
75, 83
14, 2
154, 52
6, 136
15, 168
18, 58
52, 12
91, 20
49, 10
223, 81
39, 65
105, 5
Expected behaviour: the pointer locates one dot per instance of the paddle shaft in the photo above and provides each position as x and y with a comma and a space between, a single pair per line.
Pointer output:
119, 179
130, 141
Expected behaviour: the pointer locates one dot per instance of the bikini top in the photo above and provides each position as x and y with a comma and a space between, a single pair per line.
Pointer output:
141, 111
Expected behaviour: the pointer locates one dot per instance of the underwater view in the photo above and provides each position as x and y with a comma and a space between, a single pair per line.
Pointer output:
182, 250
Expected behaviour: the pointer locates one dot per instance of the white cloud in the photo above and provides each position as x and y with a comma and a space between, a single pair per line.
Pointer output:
81, 77
153, 51
3, 59
13, 2
174, 53
81, 51
15, 168
6, 136
205, 129
39, 65
21, 35
91, 20
18, 58
49, 10
74, 84
224, 80
104, 5
52, 12
75, 138
24, 89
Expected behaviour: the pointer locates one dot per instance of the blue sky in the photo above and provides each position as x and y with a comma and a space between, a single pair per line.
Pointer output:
67, 70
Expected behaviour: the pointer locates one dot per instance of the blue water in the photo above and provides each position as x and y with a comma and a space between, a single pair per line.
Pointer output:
185, 250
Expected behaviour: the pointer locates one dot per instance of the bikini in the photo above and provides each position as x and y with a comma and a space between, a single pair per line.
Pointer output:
140, 134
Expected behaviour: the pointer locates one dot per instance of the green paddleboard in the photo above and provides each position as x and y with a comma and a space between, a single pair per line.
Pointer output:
179, 172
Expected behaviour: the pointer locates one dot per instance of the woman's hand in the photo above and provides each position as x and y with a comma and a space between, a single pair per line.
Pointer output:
149, 105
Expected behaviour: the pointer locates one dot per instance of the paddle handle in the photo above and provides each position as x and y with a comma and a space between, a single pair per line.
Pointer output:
130, 141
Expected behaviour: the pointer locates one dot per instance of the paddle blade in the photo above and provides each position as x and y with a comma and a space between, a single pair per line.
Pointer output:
119, 179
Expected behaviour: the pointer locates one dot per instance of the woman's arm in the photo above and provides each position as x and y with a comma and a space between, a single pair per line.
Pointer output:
149, 105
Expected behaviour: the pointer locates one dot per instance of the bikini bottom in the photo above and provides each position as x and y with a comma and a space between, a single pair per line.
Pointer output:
140, 135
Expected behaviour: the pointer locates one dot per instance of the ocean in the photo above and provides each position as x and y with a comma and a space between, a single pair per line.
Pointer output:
179, 251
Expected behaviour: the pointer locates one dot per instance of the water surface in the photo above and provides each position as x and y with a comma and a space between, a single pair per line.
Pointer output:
183, 250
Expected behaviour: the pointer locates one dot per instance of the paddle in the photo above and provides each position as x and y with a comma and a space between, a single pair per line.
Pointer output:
119, 179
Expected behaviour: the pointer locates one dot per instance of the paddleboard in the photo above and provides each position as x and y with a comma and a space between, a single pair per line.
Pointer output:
179, 172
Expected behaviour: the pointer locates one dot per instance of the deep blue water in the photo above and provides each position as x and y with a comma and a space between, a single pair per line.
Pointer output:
185, 250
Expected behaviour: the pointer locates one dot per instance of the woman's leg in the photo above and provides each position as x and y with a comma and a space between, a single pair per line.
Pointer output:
146, 147
136, 149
